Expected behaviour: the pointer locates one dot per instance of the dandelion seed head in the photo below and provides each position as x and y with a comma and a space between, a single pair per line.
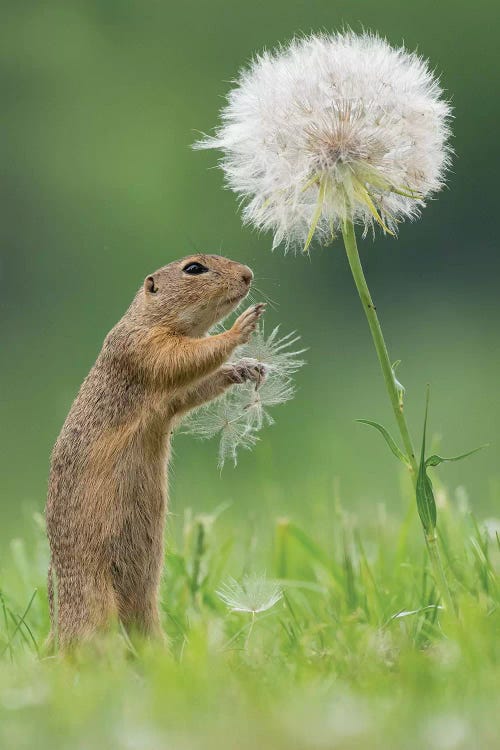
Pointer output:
329, 128
253, 595
242, 411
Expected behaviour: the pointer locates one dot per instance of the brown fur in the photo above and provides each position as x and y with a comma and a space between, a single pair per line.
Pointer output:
108, 479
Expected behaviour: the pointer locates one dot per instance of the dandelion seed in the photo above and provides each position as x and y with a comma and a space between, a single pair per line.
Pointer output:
242, 411
253, 595
492, 528
333, 128
274, 352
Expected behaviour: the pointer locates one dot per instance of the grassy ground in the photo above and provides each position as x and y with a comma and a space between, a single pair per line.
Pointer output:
355, 654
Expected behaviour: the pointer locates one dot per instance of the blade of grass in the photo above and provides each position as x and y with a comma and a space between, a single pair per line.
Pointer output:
19, 624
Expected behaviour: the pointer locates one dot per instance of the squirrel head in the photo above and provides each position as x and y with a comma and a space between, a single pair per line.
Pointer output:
191, 295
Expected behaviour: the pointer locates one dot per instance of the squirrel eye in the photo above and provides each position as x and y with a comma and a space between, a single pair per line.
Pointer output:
150, 285
194, 269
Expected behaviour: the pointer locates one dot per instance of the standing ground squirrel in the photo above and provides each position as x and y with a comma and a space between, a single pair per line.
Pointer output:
108, 478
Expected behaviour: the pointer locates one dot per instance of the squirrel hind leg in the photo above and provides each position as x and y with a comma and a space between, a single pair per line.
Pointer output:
140, 615
81, 605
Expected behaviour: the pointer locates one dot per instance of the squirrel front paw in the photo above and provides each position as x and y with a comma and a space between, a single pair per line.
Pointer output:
247, 369
246, 324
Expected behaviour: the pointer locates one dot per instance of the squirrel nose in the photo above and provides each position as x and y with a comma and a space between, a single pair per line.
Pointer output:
247, 275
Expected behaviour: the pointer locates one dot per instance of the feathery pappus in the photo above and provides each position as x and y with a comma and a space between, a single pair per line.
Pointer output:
333, 128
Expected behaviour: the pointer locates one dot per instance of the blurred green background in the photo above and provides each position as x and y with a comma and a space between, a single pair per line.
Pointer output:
100, 103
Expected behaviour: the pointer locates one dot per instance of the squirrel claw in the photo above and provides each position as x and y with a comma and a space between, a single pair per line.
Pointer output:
246, 324
248, 369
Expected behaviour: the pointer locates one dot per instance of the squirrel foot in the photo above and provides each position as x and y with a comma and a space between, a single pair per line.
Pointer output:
248, 369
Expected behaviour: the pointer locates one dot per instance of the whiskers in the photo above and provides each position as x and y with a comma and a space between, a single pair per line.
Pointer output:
257, 295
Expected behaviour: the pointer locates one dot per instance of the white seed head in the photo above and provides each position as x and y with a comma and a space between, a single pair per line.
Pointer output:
329, 128
241, 412
253, 595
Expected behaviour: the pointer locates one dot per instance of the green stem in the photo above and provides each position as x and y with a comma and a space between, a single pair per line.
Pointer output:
380, 346
394, 395
437, 569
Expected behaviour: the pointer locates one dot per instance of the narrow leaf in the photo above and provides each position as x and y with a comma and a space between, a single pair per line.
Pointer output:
426, 504
313, 549
388, 439
435, 460
408, 613
20, 623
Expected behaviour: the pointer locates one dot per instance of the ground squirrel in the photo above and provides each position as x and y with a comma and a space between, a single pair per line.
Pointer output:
108, 478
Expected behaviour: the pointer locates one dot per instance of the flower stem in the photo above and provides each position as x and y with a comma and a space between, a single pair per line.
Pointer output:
437, 569
380, 345
351, 247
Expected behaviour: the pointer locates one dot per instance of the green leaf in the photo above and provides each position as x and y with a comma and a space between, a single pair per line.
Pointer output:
313, 549
388, 439
435, 460
426, 504
425, 501
408, 613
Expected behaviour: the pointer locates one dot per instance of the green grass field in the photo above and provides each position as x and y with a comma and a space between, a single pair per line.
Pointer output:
357, 653
101, 102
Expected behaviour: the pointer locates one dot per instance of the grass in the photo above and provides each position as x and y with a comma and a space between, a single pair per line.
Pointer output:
356, 654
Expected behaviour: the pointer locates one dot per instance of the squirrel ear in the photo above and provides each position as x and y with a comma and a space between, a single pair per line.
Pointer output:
149, 285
